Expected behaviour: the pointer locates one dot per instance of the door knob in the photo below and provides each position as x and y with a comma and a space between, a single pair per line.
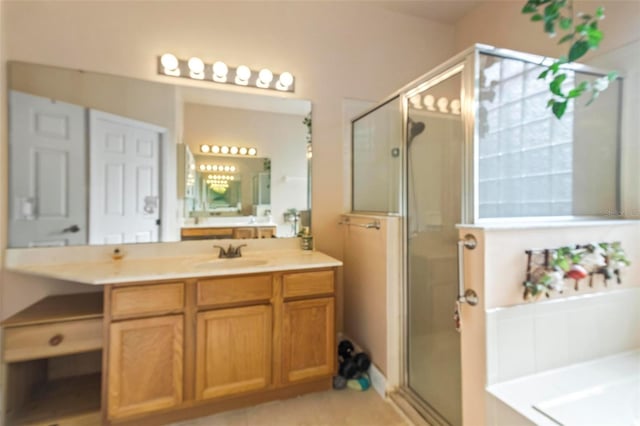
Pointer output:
71, 230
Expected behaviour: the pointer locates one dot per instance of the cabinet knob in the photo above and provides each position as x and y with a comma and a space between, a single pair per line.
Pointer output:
56, 340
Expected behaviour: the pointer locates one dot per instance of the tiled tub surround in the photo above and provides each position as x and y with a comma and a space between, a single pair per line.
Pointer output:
559, 354
605, 391
533, 338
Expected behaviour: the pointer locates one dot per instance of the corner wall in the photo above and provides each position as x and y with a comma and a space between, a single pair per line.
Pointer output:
502, 24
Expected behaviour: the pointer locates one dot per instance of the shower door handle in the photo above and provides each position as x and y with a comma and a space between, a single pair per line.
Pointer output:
469, 295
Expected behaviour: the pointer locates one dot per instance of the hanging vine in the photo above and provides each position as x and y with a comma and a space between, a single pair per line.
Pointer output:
583, 32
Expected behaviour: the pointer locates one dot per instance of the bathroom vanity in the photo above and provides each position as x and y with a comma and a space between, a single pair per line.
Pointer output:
171, 338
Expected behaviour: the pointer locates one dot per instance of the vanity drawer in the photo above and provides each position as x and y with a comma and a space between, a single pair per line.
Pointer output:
48, 340
146, 299
227, 291
302, 284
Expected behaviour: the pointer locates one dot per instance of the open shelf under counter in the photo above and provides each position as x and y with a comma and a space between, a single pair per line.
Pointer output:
69, 400
53, 355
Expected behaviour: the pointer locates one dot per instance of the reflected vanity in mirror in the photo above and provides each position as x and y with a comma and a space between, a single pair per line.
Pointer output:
103, 159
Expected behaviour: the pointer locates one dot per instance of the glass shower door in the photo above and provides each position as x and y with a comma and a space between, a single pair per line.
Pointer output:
435, 140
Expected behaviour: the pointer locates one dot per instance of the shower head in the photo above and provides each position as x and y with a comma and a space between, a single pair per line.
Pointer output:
415, 128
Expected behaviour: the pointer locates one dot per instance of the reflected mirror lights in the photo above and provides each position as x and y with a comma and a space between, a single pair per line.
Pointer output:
228, 150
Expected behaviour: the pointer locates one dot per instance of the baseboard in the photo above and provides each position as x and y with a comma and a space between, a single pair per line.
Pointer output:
378, 380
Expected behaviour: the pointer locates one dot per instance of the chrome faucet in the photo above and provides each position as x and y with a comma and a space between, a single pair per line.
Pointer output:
230, 252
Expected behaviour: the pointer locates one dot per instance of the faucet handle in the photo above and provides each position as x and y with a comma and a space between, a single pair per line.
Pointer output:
222, 252
238, 252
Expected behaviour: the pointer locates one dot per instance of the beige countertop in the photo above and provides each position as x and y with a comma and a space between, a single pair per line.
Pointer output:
228, 225
177, 267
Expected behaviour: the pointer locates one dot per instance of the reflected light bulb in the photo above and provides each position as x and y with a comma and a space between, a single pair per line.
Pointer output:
202, 167
208, 167
232, 168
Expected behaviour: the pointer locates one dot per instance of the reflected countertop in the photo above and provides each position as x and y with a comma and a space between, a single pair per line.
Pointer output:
163, 268
227, 225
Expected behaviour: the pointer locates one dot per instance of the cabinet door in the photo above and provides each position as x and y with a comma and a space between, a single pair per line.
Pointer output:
145, 365
233, 351
308, 339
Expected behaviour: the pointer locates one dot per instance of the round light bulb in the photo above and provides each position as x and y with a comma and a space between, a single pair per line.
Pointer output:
232, 168
234, 150
204, 148
243, 151
252, 151
215, 149
243, 72
232, 178
208, 167
202, 167
286, 79
265, 75
196, 65
224, 150
169, 62
220, 69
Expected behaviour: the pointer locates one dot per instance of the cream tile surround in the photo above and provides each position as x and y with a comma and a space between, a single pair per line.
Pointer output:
143, 262
534, 338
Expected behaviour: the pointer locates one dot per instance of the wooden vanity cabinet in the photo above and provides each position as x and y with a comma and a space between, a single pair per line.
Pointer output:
233, 351
308, 330
145, 365
216, 343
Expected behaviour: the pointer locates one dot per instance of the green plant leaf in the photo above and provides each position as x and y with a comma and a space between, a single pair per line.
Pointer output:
536, 17
556, 85
543, 74
565, 23
594, 96
566, 38
529, 8
578, 50
612, 75
559, 108
549, 28
563, 264
594, 37
579, 90
600, 12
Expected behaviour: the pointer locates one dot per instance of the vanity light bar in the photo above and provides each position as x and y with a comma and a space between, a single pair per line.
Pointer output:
228, 150
217, 168
219, 72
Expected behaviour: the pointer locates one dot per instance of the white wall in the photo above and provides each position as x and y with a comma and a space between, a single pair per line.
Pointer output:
336, 50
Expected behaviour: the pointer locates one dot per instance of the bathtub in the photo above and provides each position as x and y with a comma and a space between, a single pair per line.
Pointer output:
604, 391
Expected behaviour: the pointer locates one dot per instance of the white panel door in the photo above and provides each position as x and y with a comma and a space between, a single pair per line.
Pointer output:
124, 204
47, 191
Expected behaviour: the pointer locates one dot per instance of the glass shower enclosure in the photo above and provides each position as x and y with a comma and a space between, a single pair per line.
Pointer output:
469, 142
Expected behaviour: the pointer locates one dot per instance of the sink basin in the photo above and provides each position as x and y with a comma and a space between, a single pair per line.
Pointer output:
239, 262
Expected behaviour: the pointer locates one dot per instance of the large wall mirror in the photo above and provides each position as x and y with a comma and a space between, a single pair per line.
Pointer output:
103, 159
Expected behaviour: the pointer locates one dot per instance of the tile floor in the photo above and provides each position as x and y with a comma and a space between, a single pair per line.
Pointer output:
331, 408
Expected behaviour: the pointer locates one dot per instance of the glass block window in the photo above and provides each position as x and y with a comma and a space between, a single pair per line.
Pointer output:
528, 158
